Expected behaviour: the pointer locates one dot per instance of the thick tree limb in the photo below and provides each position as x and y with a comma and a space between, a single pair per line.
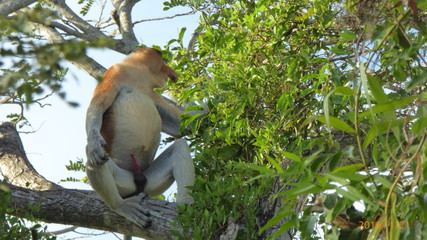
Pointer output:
9, 6
14, 165
67, 206
123, 8
85, 209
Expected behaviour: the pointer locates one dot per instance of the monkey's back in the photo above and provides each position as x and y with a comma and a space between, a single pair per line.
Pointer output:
136, 129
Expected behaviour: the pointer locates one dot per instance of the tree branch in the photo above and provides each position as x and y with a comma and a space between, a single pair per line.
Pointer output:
9, 6
14, 165
126, 45
123, 8
90, 31
82, 208
65, 230
193, 39
168, 17
68, 30
85, 63
85, 209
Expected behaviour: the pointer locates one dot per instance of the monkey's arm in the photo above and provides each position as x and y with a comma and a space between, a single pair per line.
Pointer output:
170, 111
103, 97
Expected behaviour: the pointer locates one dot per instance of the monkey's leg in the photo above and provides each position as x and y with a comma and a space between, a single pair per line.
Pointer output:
174, 163
106, 180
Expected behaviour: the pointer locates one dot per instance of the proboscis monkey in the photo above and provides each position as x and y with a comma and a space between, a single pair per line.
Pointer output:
123, 126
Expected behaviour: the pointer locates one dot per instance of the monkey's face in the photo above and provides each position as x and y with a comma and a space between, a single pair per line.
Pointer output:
153, 59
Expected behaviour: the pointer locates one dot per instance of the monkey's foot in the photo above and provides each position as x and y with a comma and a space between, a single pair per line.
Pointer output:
131, 209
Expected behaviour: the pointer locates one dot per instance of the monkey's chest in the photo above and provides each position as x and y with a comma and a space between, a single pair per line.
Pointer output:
137, 127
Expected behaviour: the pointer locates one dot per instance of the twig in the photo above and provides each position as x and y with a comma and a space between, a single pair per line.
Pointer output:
65, 230
164, 18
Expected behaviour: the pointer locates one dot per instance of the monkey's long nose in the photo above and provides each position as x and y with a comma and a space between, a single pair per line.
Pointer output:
174, 78
173, 75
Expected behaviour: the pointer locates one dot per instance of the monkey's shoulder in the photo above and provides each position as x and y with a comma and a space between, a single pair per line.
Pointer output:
125, 72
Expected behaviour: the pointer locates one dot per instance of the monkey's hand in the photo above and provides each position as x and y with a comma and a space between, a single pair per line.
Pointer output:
131, 209
184, 199
95, 150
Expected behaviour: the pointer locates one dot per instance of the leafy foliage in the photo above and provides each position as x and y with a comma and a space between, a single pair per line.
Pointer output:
21, 73
327, 96
31, 69
77, 166
86, 7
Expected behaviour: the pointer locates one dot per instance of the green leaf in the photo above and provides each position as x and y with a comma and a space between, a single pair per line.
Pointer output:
336, 123
335, 160
181, 33
340, 50
403, 41
275, 164
376, 89
424, 204
419, 127
394, 221
330, 201
291, 156
301, 189
416, 81
283, 102
384, 181
277, 218
194, 108
309, 226
374, 234
352, 194
352, 167
261, 169
287, 225
371, 135
381, 128
326, 109
391, 105
349, 175
345, 91
364, 80
188, 119
348, 35
421, 4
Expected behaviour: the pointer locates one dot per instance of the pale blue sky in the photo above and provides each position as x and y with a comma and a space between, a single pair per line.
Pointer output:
60, 134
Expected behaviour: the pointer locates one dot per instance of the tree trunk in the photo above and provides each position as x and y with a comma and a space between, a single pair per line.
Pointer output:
269, 207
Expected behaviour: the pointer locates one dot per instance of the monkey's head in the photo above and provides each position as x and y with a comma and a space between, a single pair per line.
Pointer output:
152, 58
